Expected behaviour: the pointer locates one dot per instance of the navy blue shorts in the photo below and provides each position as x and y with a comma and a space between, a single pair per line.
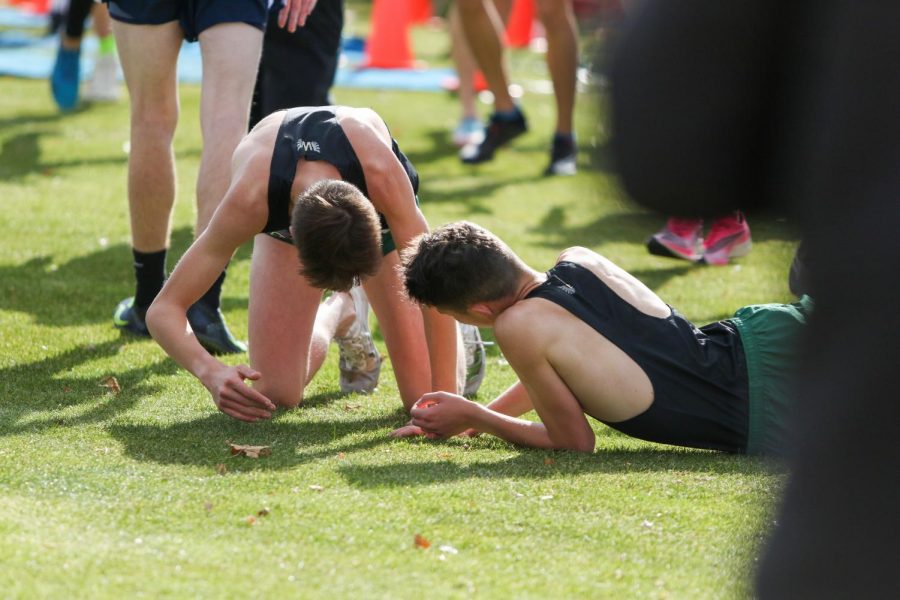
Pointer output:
194, 16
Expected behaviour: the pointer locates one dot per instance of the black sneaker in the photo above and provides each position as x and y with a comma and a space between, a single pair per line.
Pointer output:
130, 318
562, 156
498, 133
211, 331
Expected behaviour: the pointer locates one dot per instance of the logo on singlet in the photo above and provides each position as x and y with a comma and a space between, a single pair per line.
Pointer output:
308, 146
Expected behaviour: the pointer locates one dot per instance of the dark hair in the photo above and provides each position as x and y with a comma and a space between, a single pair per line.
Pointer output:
458, 265
337, 234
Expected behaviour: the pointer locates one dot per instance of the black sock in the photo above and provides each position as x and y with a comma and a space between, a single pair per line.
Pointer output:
150, 274
213, 296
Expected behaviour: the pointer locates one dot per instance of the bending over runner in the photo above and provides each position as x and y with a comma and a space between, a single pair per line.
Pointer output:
332, 182
588, 338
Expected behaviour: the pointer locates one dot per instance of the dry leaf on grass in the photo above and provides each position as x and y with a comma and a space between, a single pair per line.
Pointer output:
549, 461
112, 384
250, 520
264, 512
420, 541
250, 451
221, 469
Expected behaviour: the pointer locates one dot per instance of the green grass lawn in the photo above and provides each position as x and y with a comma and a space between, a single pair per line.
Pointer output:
135, 494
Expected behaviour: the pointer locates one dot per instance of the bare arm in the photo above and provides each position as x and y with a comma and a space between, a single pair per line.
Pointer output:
231, 225
392, 195
563, 424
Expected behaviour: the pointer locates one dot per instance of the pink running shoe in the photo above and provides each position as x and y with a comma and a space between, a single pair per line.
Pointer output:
680, 238
729, 237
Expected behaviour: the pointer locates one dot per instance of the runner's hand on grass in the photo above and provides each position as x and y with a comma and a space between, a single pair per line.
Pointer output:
443, 415
237, 399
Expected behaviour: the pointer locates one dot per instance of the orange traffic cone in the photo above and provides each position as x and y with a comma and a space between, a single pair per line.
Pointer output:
421, 11
388, 46
520, 24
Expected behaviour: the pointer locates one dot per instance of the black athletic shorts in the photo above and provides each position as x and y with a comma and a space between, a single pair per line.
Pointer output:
298, 69
194, 16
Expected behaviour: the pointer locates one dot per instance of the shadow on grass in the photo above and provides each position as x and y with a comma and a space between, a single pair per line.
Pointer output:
536, 464
86, 289
29, 392
204, 442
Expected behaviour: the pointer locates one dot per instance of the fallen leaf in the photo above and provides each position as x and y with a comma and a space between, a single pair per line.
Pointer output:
112, 384
549, 461
207, 506
251, 520
341, 455
66, 390
316, 488
250, 451
419, 541
264, 512
221, 469
349, 407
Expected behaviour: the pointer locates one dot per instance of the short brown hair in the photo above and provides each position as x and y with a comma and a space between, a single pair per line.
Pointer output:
337, 234
458, 265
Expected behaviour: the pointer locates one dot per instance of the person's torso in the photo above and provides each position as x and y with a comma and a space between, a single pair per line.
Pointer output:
315, 134
698, 376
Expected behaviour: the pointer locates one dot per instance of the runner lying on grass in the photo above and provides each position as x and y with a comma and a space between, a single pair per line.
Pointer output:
587, 338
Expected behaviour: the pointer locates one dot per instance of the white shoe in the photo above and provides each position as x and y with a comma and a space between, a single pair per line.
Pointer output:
476, 359
360, 362
103, 85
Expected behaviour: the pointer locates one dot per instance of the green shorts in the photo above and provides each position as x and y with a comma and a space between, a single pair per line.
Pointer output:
770, 333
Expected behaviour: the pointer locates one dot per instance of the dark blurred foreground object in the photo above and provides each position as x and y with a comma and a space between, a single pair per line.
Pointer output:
795, 105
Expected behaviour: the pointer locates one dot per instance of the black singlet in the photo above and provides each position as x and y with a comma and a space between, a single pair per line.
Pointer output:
313, 133
699, 376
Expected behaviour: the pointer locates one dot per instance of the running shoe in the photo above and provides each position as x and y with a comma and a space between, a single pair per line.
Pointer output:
360, 362
103, 86
562, 156
131, 318
729, 237
498, 133
476, 359
65, 78
680, 238
468, 132
209, 326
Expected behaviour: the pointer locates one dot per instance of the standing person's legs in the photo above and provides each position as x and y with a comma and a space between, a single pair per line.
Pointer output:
562, 62
469, 129
66, 74
230, 54
483, 27
148, 56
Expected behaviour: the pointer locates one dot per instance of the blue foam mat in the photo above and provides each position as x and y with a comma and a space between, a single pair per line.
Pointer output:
29, 56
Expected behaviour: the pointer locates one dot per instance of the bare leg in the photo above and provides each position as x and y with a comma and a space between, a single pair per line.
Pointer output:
282, 315
102, 20
230, 53
483, 26
562, 57
465, 65
148, 54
